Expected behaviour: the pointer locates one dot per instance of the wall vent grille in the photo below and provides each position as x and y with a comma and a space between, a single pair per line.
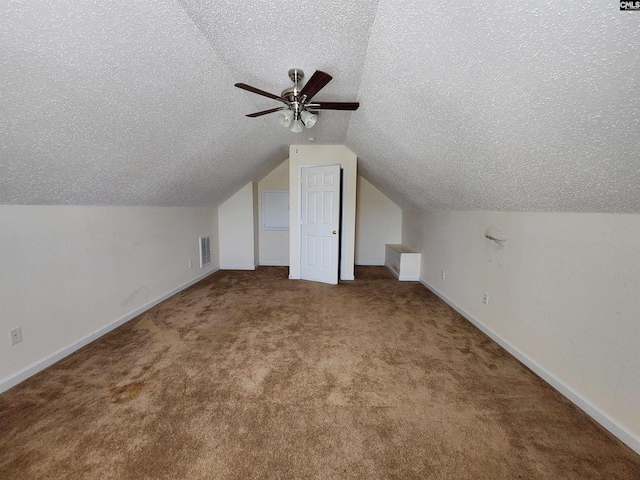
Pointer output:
205, 251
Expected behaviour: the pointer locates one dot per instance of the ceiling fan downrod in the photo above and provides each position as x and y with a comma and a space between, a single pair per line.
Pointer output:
291, 95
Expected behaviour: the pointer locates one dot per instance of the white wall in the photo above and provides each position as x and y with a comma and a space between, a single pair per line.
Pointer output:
309, 155
256, 224
70, 273
274, 244
236, 226
563, 297
378, 222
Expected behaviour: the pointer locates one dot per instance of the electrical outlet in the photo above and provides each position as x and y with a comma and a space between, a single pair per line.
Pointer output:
190, 263
16, 335
443, 275
485, 299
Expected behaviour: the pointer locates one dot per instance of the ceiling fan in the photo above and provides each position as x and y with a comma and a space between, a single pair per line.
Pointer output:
299, 111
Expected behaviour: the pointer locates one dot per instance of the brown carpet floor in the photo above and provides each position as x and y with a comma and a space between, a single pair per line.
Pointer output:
251, 375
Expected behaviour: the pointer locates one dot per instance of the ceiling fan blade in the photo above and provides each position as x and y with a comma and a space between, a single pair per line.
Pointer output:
316, 83
251, 89
334, 105
264, 112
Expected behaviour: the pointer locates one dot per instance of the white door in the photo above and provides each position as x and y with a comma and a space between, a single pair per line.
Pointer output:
320, 232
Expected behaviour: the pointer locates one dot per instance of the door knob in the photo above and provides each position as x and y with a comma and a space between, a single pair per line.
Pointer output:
334, 232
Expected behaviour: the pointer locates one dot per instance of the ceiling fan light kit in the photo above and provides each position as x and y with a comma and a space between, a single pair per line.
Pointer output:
308, 118
297, 126
299, 111
287, 118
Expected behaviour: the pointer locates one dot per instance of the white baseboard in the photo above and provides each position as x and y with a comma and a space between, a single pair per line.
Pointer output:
271, 264
231, 267
403, 278
392, 272
626, 436
16, 378
370, 264
407, 278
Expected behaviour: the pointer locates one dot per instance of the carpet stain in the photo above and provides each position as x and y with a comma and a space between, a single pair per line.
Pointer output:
252, 375
128, 392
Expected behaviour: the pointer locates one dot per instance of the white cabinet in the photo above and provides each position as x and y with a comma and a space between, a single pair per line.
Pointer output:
403, 262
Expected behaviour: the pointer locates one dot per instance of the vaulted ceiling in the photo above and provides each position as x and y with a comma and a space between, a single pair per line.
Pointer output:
518, 106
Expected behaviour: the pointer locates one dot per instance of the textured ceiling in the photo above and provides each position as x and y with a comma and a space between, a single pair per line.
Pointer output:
491, 106
520, 106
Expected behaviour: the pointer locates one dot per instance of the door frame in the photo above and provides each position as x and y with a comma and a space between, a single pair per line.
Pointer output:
325, 155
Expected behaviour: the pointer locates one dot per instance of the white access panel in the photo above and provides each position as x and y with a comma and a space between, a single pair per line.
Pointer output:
275, 209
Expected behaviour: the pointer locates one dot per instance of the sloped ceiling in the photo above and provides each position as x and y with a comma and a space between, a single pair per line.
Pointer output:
530, 106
